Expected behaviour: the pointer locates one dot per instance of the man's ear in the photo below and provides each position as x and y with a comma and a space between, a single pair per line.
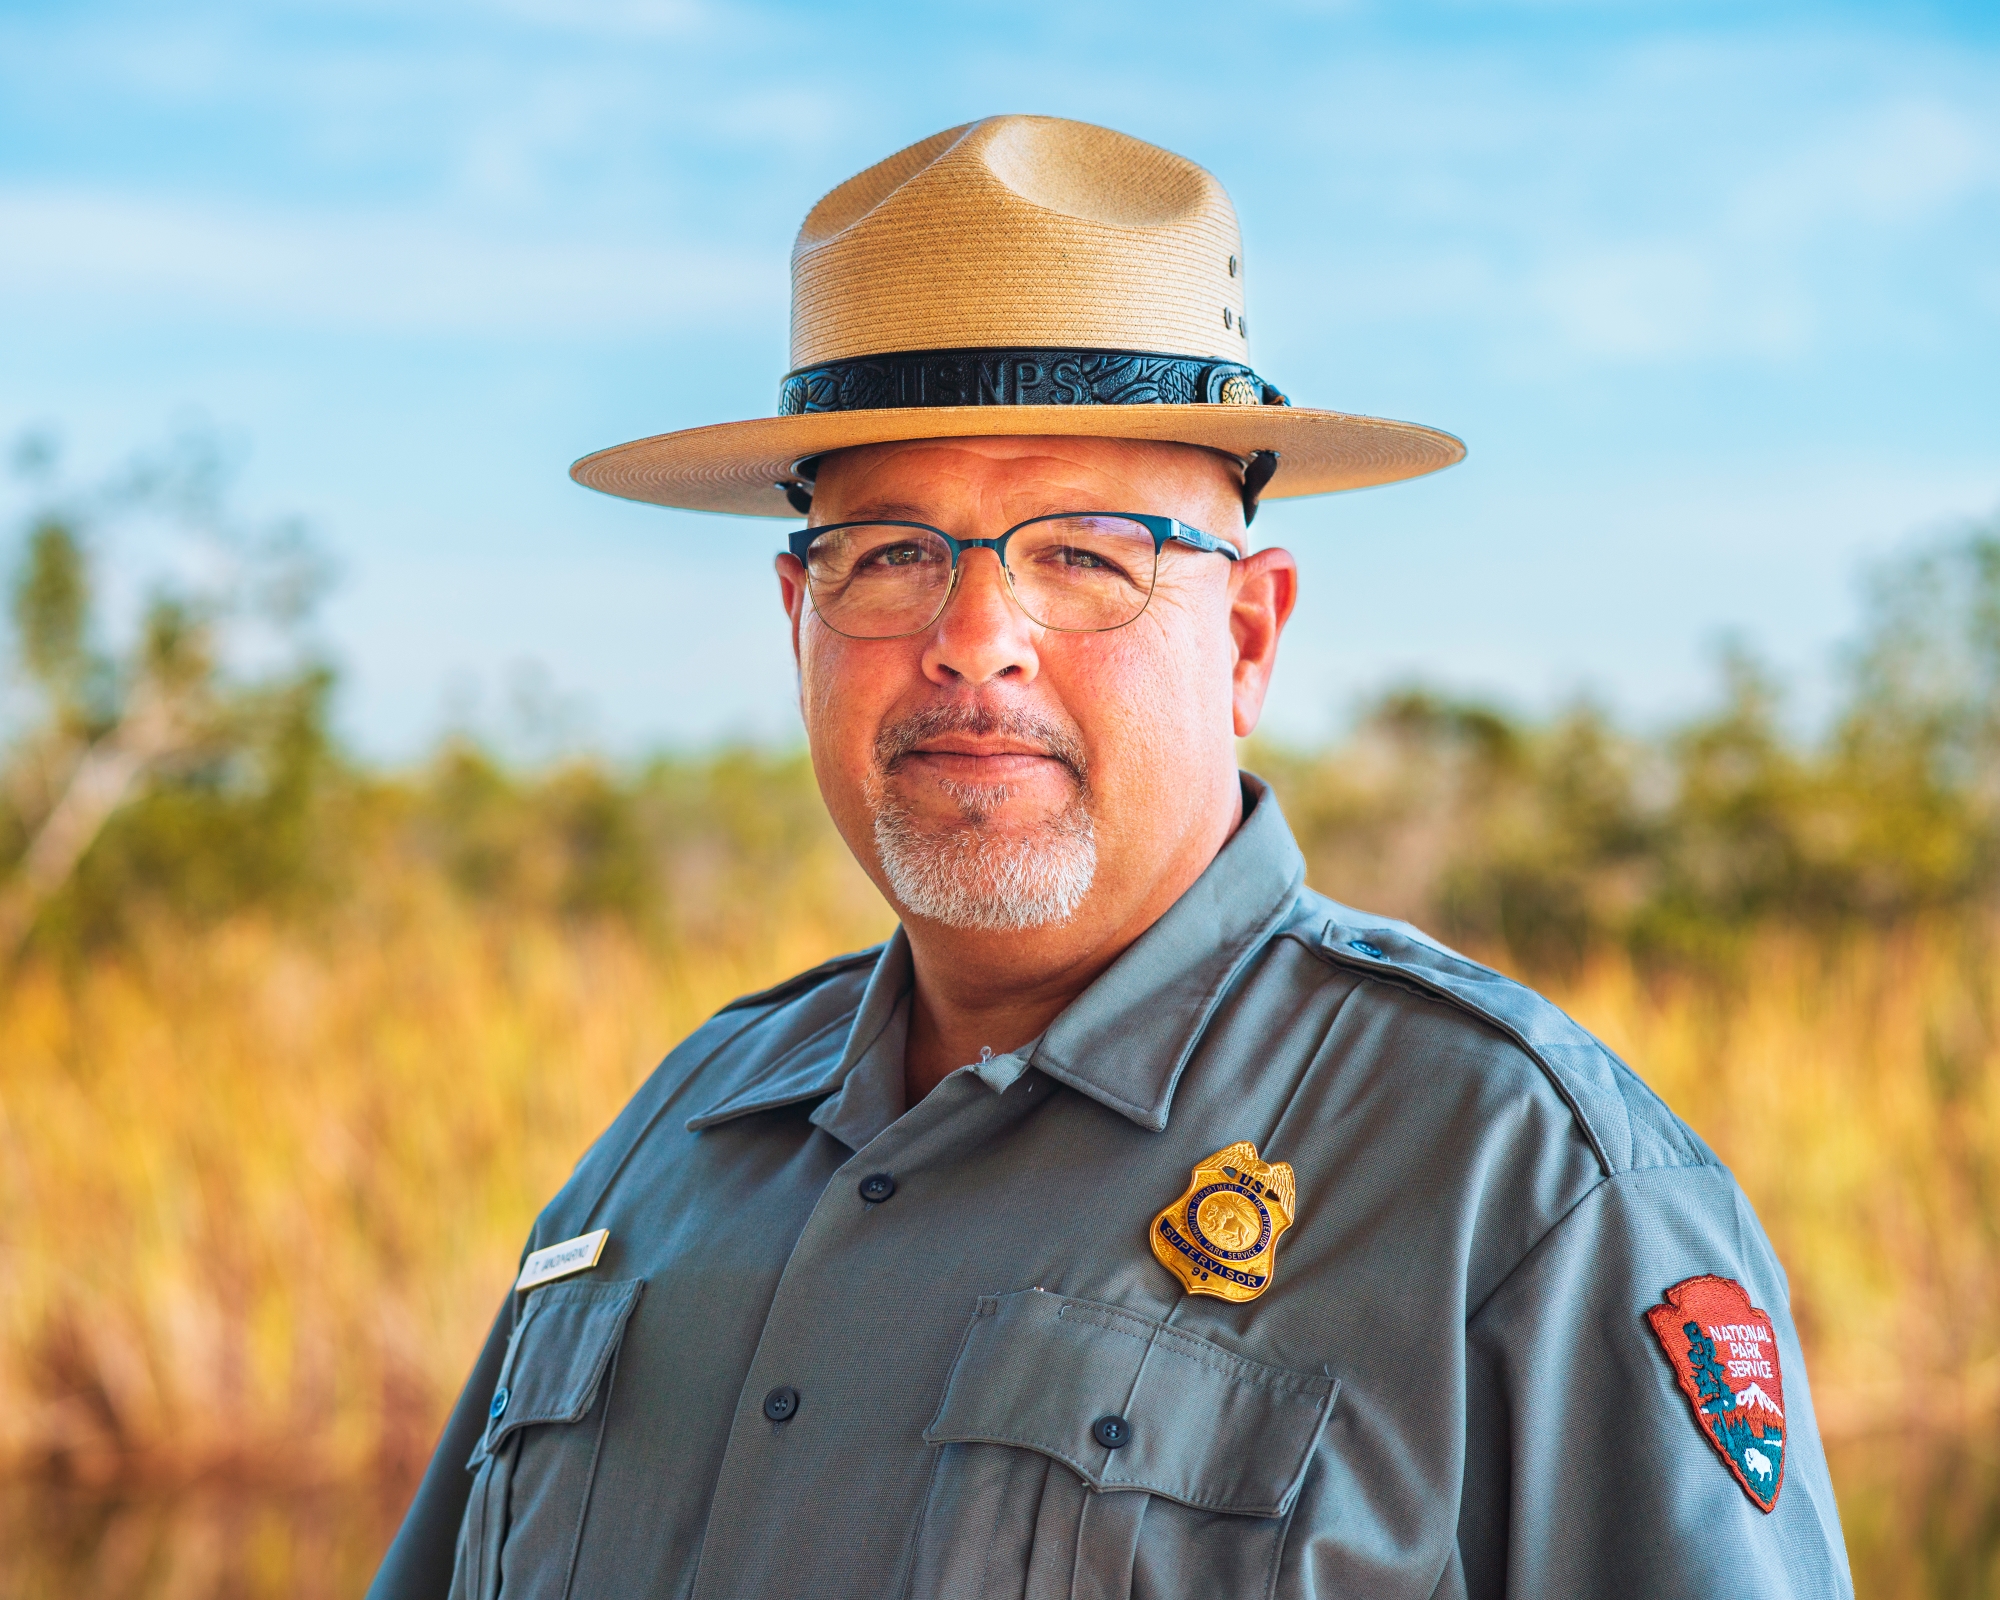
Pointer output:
792, 587
1263, 588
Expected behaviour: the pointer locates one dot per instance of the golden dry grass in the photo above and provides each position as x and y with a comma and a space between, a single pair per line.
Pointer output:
258, 1206
1855, 1092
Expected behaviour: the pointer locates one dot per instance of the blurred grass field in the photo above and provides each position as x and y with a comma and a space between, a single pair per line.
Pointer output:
292, 1049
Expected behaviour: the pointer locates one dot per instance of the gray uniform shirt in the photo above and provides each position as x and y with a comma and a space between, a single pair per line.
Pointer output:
1449, 1388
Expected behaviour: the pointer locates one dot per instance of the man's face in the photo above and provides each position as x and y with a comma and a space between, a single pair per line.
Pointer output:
994, 774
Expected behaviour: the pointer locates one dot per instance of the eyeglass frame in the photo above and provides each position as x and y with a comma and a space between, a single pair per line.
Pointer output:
1165, 531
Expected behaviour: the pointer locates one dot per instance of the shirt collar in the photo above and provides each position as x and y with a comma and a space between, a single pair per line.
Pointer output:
823, 1061
1124, 1041
870, 1070
1127, 1038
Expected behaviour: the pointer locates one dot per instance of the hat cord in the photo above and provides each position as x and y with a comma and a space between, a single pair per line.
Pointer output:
1257, 472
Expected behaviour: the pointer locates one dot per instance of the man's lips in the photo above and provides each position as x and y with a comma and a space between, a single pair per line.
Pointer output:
992, 766
970, 764
981, 749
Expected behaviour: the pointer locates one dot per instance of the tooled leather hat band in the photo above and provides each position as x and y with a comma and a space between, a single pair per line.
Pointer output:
1020, 377
1024, 377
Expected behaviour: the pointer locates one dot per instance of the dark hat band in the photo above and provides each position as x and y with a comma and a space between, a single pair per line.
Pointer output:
1021, 378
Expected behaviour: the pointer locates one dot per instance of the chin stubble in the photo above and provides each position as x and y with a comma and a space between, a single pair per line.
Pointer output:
966, 872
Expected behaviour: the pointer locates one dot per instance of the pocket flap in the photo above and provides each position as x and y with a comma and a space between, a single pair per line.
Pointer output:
1208, 1428
557, 1356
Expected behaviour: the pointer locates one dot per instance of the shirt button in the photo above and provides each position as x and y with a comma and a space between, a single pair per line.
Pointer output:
781, 1403
877, 1187
1111, 1432
1365, 948
499, 1403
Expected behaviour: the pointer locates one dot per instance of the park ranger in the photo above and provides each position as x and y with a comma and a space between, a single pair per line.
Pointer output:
1135, 1221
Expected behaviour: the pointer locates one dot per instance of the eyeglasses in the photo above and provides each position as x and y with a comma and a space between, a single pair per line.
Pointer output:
1073, 571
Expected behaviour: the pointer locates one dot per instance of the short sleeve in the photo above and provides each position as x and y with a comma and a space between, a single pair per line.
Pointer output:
1587, 1472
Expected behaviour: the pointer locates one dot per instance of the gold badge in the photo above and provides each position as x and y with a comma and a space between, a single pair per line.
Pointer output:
1220, 1236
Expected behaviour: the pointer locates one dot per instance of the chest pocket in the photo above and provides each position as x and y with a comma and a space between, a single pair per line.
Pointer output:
1025, 1500
537, 1459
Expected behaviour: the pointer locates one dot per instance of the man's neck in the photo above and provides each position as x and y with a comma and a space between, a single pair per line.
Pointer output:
950, 1028
999, 991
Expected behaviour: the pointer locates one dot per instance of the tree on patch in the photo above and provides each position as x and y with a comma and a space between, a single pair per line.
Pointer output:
1716, 1395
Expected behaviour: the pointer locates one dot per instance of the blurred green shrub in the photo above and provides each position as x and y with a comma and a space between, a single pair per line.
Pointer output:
1553, 839
148, 774
188, 771
706, 849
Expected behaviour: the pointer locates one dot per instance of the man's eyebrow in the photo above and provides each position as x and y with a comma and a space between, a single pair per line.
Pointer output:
887, 511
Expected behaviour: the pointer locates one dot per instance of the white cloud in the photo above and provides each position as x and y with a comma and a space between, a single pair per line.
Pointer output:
1898, 165
141, 256
1665, 202
1630, 301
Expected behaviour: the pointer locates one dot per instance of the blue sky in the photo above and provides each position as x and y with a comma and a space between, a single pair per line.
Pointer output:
1712, 291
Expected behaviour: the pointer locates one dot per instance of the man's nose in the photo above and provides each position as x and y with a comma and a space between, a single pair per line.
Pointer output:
983, 633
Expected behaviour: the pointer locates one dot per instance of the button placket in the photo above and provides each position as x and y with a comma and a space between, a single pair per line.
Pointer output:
796, 1349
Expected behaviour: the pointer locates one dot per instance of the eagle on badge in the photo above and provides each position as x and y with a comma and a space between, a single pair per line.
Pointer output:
1220, 1236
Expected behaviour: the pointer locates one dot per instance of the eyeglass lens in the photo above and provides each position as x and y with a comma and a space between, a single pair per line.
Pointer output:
1080, 574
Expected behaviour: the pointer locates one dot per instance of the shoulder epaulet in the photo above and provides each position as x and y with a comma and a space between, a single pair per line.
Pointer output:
799, 983
1626, 1124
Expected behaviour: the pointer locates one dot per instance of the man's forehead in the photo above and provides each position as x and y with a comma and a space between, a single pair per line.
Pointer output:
1053, 453
913, 481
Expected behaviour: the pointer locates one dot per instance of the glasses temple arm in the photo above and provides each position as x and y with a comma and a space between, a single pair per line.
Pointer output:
1202, 541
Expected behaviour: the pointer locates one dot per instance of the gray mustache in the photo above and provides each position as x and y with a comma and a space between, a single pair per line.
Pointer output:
894, 744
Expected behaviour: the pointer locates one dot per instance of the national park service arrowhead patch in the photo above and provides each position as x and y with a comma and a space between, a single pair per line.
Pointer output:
1725, 1353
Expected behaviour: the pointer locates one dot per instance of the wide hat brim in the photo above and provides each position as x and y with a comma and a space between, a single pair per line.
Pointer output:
739, 467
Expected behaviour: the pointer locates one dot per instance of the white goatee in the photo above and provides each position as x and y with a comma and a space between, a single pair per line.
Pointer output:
966, 872
967, 876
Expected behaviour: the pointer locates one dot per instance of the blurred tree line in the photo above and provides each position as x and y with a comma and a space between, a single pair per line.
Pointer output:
1552, 839
183, 770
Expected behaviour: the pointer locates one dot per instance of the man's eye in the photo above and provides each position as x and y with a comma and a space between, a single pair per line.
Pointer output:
895, 555
1079, 559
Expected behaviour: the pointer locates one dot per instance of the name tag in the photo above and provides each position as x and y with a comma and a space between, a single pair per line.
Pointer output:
560, 1260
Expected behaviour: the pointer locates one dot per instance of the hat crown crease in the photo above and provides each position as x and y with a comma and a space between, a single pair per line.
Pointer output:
842, 207
1095, 175
1021, 231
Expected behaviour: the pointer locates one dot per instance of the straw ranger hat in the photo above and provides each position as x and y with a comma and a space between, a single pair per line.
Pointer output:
1019, 275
